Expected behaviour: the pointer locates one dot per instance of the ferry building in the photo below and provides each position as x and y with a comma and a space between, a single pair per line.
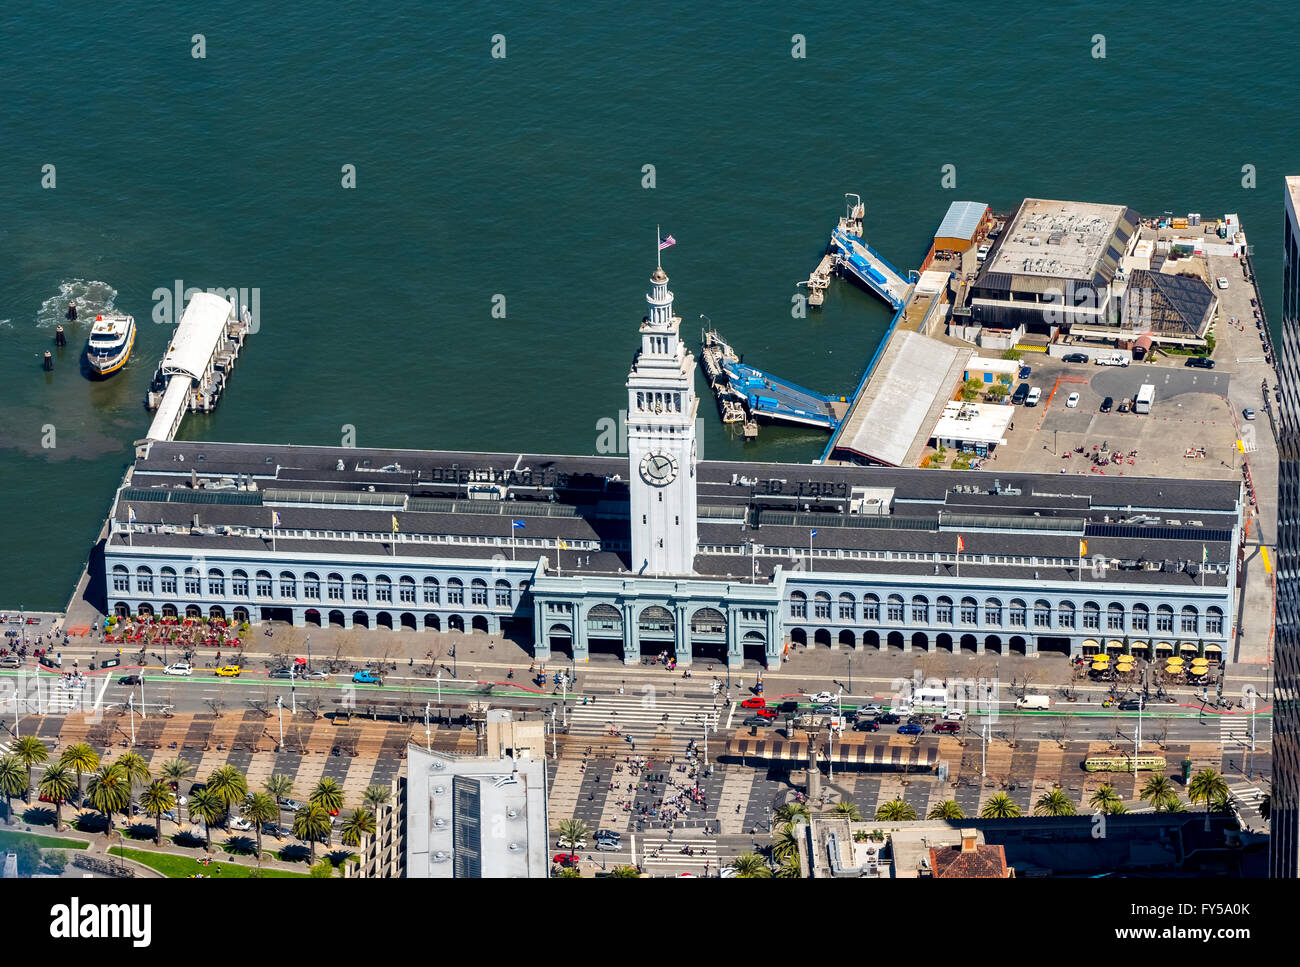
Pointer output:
659, 551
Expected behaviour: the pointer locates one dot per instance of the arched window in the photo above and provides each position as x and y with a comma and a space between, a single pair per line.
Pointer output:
894, 609
144, 580
432, 593
288, 585
1214, 621
1141, 617
708, 621
655, 618
505, 596
943, 611
334, 587
263, 584
360, 588
239, 584
920, 609
848, 607
798, 604
121, 578
193, 582
455, 591
406, 589
216, 583
993, 612
1042, 614
1091, 616
167, 582
1065, 614
478, 593
969, 611
1164, 618
1189, 620
384, 589
311, 586
1115, 617
821, 606
1016, 613
870, 608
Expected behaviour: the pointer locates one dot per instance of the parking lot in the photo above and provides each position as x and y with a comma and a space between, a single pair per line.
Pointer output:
1190, 411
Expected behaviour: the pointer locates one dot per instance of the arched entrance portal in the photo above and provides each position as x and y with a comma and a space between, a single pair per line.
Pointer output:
920, 641
312, 617
895, 640
360, 619
431, 623
822, 637
479, 623
455, 623
560, 638
605, 630
336, 619
754, 646
709, 635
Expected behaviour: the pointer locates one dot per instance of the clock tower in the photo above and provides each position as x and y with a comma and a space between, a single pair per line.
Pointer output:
661, 409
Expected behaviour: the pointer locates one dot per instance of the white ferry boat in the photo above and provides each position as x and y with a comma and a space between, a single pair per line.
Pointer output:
111, 339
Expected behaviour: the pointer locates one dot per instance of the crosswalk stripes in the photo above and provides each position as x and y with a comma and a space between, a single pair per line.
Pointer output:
641, 717
1248, 799
660, 851
1234, 731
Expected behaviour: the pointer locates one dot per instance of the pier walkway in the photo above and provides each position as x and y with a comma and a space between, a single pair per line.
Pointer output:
198, 362
858, 259
777, 399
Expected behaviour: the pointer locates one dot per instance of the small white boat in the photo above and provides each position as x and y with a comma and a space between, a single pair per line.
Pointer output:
109, 346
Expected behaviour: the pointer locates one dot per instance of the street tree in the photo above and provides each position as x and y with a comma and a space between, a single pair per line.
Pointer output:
156, 799
231, 787
896, 811
208, 805
790, 811
1106, 800
81, 759
30, 751
376, 796
259, 810
1000, 806
1054, 803
136, 769
1206, 786
311, 823
57, 785
1159, 792
358, 823
948, 809
848, 809
572, 830
751, 866
328, 794
785, 841
109, 791
625, 873
13, 782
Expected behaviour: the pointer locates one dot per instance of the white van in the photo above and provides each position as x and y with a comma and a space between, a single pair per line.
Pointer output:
982, 253
1032, 398
1034, 701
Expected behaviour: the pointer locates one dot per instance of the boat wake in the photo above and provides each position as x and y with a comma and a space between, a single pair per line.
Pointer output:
90, 297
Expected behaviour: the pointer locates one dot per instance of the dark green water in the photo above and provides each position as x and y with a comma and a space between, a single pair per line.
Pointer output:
522, 177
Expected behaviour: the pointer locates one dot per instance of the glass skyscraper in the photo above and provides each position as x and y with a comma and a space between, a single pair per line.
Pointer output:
1284, 848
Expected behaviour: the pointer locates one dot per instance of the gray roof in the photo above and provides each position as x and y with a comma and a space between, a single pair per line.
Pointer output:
961, 220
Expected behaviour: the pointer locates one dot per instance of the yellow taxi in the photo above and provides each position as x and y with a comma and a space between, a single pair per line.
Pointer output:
228, 671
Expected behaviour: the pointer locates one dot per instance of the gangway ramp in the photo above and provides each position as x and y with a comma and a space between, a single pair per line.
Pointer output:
772, 398
855, 257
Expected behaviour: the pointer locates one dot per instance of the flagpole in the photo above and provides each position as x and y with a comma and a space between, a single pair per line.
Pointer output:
659, 251
513, 542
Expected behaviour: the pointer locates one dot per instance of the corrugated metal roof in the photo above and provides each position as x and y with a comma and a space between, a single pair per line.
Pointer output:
962, 219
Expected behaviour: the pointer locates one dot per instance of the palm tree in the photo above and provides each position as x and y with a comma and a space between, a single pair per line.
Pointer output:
279, 786
625, 873
157, 799
259, 810
1160, 793
1054, 803
311, 823
848, 809
785, 841
789, 868
1000, 806
1207, 786
230, 786
1106, 800
81, 759
790, 812
176, 771
13, 782
208, 805
30, 751
568, 873
1265, 805
109, 791
896, 811
572, 830
376, 796
137, 770
57, 785
329, 796
358, 823
948, 809
751, 866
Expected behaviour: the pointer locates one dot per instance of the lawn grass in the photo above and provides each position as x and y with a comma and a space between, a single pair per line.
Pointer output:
180, 867
10, 838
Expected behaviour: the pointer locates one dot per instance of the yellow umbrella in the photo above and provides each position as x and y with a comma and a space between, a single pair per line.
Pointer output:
1099, 666
1175, 661
1200, 661
1124, 666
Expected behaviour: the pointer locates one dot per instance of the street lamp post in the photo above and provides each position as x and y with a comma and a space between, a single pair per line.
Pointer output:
279, 707
130, 707
293, 698
428, 735
453, 661
144, 709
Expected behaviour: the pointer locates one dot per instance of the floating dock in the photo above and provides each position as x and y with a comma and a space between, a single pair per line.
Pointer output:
198, 362
849, 254
747, 394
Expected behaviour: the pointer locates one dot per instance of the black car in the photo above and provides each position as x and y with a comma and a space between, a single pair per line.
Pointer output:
889, 718
1106, 404
1021, 394
755, 720
1123, 407
129, 680
1200, 362
1075, 358
867, 725
788, 708
1130, 705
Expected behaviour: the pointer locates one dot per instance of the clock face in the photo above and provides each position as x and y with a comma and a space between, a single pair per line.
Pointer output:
658, 469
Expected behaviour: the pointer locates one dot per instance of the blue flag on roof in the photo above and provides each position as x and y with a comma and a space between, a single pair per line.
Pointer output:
516, 523
813, 532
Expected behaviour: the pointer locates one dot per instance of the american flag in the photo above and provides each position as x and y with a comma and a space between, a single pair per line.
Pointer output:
667, 242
